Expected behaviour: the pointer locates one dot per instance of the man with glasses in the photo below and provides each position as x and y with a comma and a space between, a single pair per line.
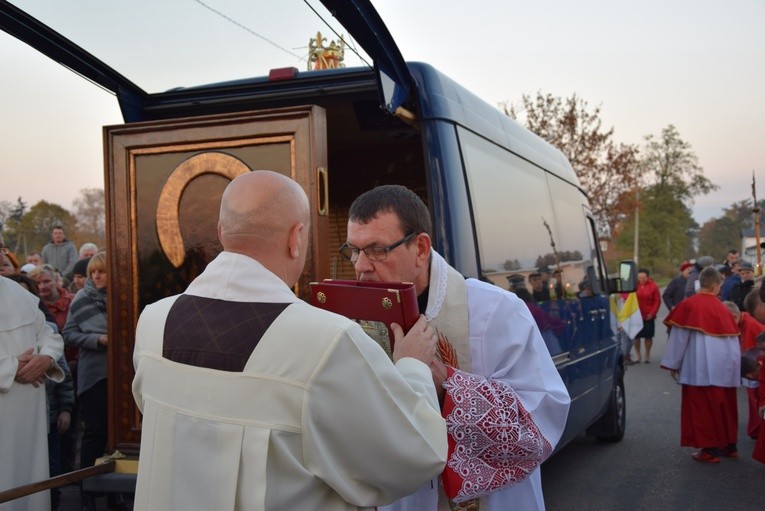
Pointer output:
495, 356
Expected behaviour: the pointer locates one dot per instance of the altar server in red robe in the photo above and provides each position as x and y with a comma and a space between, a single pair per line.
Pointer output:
704, 356
749, 328
759, 447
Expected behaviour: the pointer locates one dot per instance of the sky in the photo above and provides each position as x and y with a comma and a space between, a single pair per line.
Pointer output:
697, 65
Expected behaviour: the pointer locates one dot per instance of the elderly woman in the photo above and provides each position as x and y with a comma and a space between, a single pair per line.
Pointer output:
86, 328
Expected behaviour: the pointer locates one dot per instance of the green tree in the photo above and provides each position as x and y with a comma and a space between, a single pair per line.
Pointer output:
11, 221
37, 224
672, 178
670, 163
91, 217
719, 235
5, 213
606, 170
665, 235
741, 213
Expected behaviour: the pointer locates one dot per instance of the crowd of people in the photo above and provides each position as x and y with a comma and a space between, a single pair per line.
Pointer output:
321, 400
716, 316
322, 414
68, 290
716, 343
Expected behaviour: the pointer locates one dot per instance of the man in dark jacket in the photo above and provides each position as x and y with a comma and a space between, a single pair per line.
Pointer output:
691, 285
731, 279
675, 290
740, 290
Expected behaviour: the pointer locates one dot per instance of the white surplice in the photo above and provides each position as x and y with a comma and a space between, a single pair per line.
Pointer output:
506, 353
703, 360
23, 411
320, 418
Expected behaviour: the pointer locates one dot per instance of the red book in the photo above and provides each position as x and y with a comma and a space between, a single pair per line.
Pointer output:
382, 302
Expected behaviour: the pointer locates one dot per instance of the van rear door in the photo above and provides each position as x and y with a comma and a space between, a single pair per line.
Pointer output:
364, 23
134, 54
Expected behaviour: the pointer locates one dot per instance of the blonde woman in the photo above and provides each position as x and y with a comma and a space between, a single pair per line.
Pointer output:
87, 329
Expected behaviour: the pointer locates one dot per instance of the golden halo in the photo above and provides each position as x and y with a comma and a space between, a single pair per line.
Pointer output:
169, 203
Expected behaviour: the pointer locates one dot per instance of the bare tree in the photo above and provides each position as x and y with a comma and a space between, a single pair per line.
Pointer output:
91, 216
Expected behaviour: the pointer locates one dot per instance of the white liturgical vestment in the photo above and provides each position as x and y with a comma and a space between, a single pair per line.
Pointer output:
23, 412
320, 418
511, 382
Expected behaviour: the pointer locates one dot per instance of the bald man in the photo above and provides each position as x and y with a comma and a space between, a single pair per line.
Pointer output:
254, 400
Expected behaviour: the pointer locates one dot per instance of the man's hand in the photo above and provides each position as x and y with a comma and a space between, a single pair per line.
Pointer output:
32, 368
24, 358
420, 342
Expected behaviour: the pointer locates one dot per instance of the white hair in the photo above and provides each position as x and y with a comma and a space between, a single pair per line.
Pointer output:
88, 247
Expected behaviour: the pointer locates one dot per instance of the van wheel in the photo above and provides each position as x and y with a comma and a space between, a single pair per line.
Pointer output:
614, 422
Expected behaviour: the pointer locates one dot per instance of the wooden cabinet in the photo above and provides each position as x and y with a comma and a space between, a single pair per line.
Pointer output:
164, 181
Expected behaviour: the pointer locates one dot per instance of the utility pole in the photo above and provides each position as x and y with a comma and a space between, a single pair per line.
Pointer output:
756, 212
637, 227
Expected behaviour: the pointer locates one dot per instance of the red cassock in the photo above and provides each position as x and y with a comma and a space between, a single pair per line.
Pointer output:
759, 447
703, 312
750, 328
709, 416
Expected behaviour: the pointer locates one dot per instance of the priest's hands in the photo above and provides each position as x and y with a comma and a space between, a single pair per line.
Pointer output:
32, 368
420, 342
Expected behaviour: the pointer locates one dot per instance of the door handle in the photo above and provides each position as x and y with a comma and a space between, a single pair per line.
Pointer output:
322, 191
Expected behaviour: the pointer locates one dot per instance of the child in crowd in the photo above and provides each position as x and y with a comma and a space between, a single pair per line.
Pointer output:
702, 330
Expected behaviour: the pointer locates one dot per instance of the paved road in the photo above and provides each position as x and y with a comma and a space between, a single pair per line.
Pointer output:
649, 469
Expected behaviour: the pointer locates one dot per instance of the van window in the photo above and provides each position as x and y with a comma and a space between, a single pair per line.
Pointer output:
575, 239
510, 202
520, 211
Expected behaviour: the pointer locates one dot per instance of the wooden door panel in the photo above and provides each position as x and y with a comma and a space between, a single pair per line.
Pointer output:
164, 181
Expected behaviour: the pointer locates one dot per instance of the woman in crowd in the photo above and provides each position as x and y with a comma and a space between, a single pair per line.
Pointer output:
86, 328
649, 301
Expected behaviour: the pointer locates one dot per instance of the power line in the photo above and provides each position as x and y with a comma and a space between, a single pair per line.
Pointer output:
246, 29
335, 32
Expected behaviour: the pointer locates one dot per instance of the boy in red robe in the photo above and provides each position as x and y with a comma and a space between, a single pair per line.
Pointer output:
759, 447
703, 354
749, 328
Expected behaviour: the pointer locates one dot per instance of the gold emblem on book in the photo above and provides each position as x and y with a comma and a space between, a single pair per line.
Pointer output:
387, 303
321, 297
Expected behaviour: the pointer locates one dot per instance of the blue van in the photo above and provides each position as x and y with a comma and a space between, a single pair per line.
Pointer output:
506, 206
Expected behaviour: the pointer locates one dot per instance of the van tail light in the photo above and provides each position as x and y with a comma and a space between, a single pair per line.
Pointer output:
282, 73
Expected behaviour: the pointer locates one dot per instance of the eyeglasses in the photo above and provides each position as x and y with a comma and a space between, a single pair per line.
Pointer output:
373, 253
